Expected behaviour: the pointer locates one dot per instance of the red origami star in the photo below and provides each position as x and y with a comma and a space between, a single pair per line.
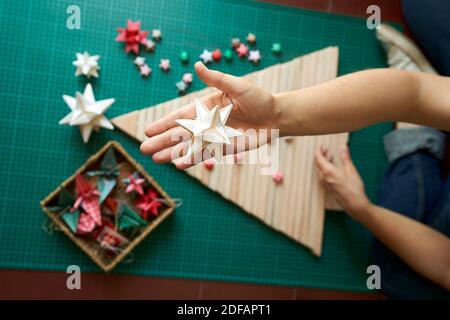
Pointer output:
132, 36
148, 202
87, 198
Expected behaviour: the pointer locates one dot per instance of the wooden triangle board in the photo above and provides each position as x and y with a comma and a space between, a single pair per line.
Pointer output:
296, 207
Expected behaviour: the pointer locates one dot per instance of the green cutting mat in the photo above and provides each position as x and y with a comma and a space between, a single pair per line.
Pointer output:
36, 154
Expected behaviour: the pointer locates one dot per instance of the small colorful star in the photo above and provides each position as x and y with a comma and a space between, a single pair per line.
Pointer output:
276, 48
254, 56
149, 45
139, 61
206, 56
238, 157
134, 183
209, 164
277, 177
145, 70
184, 57
242, 50
181, 86
251, 38
164, 64
217, 55
235, 42
156, 35
228, 55
187, 78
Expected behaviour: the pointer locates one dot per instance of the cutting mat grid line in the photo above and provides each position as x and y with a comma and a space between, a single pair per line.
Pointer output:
197, 241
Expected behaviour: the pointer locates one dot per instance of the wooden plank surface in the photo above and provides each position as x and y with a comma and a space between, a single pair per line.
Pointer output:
296, 207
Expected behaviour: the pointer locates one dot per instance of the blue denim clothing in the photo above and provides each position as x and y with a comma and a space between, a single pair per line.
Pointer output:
413, 186
429, 22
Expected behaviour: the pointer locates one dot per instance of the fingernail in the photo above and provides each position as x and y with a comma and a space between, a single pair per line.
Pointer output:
200, 65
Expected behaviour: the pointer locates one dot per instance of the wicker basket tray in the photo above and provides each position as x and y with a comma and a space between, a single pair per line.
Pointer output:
107, 261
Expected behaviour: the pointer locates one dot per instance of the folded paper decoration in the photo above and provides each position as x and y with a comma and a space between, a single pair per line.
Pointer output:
87, 113
295, 207
208, 129
106, 233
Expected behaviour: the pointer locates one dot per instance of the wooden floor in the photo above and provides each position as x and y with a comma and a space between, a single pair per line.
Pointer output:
25, 284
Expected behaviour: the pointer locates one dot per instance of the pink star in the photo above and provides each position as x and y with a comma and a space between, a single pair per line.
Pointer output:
164, 64
135, 183
277, 177
149, 45
145, 70
187, 78
242, 50
238, 157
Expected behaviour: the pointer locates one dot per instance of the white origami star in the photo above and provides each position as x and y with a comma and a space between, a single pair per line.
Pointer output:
208, 128
86, 65
206, 56
87, 113
254, 56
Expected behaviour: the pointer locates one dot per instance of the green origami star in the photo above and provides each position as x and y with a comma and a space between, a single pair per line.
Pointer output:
64, 203
129, 219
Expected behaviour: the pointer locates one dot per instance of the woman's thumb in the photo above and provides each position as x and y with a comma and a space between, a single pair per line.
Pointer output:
222, 81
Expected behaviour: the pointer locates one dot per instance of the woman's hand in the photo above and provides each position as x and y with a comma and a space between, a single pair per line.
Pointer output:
344, 183
253, 108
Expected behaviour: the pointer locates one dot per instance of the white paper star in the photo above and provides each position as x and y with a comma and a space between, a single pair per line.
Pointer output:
206, 56
87, 113
156, 34
208, 128
254, 56
86, 65
139, 61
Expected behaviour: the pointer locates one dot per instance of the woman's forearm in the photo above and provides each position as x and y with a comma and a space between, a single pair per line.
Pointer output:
422, 248
364, 98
